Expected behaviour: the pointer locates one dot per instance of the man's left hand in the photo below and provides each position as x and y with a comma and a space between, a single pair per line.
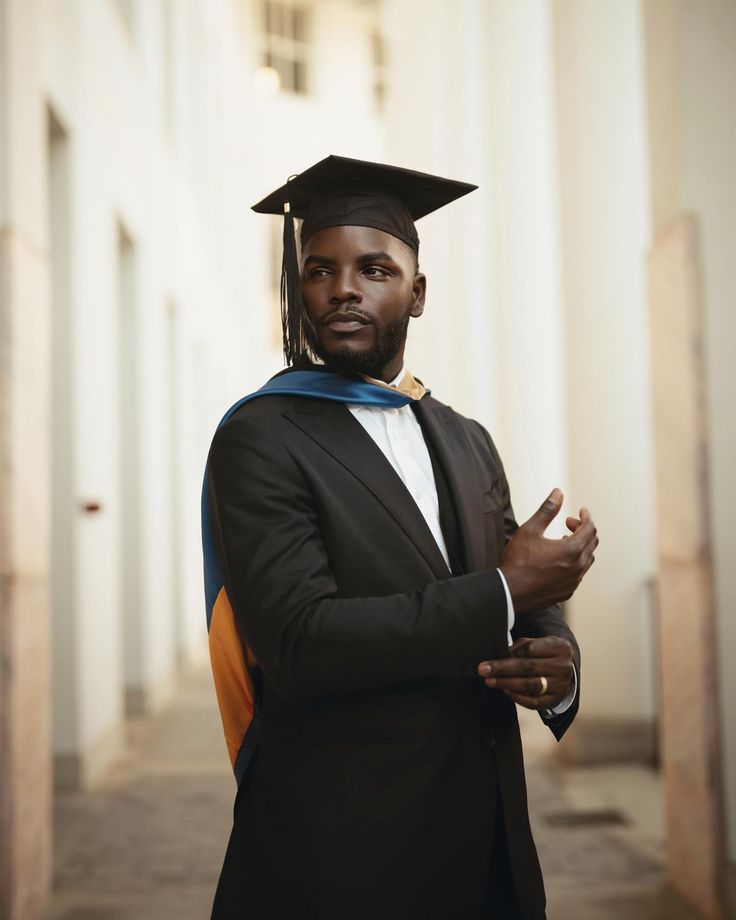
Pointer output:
538, 674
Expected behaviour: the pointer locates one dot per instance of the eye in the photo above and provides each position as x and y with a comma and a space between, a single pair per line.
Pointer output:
317, 273
374, 271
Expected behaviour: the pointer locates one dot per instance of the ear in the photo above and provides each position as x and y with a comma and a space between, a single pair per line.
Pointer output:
419, 294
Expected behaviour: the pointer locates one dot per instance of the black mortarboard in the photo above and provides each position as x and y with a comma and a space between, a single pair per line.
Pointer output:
340, 191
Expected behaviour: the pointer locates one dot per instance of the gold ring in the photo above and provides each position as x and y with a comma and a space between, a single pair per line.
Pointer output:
545, 685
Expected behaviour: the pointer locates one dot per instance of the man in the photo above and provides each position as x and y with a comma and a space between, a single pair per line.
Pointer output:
363, 572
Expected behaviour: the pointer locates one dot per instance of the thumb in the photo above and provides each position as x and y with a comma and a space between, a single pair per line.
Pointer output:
547, 511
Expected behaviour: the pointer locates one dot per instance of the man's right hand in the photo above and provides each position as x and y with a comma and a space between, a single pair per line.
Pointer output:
541, 572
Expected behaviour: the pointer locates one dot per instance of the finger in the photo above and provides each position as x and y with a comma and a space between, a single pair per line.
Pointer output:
547, 511
528, 686
534, 702
543, 647
519, 643
585, 532
587, 554
572, 523
525, 667
530, 657
512, 668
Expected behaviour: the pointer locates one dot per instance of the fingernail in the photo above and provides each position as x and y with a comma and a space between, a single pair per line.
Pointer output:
490, 682
484, 669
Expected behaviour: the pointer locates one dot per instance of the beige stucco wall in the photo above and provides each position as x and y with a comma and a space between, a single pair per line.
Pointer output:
168, 143
535, 320
691, 72
25, 776
605, 234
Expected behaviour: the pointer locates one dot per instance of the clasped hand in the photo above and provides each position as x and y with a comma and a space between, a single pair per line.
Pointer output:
540, 572
520, 676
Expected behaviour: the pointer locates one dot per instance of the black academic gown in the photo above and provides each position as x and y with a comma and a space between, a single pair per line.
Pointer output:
384, 765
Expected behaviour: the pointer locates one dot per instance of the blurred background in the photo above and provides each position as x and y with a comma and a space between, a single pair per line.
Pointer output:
580, 305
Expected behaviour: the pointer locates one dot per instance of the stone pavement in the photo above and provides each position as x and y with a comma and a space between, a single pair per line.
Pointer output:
600, 836
147, 844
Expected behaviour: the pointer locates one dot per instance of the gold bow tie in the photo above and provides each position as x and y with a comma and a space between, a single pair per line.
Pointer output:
408, 385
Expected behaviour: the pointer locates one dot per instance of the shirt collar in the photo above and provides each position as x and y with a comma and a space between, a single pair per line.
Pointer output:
398, 378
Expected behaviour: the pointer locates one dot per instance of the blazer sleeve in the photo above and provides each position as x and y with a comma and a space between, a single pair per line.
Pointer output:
276, 572
535, 624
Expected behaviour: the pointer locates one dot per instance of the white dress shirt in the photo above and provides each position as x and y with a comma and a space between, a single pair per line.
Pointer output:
399, 436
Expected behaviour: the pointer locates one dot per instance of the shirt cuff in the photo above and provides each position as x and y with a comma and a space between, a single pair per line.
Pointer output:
510, 615
568, 701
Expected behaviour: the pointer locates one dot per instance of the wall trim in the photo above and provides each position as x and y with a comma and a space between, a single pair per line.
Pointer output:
604, 740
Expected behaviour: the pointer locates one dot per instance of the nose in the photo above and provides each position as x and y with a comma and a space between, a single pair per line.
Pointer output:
344, 289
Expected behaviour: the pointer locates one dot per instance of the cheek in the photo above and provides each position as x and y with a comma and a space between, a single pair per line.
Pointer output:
395, 302
311, 304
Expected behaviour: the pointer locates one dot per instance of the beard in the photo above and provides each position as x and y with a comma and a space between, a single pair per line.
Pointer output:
371, 361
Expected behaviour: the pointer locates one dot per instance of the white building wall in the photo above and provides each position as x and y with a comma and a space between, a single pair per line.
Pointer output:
434, 124
169, 141
489, 342
605, 234
527, 293
167, 134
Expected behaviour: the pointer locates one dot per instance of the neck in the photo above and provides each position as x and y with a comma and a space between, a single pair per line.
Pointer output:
389, 372
385, 373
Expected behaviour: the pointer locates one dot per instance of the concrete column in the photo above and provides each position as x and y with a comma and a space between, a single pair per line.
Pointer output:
88, 675
605, 232
25, 775
525, 291
435, 122
709, 187
690, 755
691, 74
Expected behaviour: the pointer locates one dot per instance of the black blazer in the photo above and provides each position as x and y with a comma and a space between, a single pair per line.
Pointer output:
373, 791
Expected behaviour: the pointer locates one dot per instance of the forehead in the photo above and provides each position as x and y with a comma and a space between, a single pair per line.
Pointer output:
348, 242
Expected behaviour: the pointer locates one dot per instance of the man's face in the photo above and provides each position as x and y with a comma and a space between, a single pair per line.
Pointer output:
360, 286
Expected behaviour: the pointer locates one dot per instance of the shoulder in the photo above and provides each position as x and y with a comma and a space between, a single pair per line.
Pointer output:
299, 388
477, 434
272, 428
254, 444
262, 418
264, 408
477, 437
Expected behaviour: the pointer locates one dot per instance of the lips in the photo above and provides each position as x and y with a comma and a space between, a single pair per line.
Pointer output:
345, 321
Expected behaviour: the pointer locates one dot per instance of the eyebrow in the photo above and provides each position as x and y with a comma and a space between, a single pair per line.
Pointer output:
378, 256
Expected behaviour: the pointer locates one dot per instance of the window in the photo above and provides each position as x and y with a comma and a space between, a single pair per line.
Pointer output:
286, 44
168, 66
380, 70
126, 9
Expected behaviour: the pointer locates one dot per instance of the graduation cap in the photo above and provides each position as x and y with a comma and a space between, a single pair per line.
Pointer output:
340, 191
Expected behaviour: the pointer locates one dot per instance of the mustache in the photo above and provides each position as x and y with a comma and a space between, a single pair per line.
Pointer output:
354, 310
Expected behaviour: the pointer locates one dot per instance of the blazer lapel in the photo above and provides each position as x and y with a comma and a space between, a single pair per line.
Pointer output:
453, 452
333, 427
